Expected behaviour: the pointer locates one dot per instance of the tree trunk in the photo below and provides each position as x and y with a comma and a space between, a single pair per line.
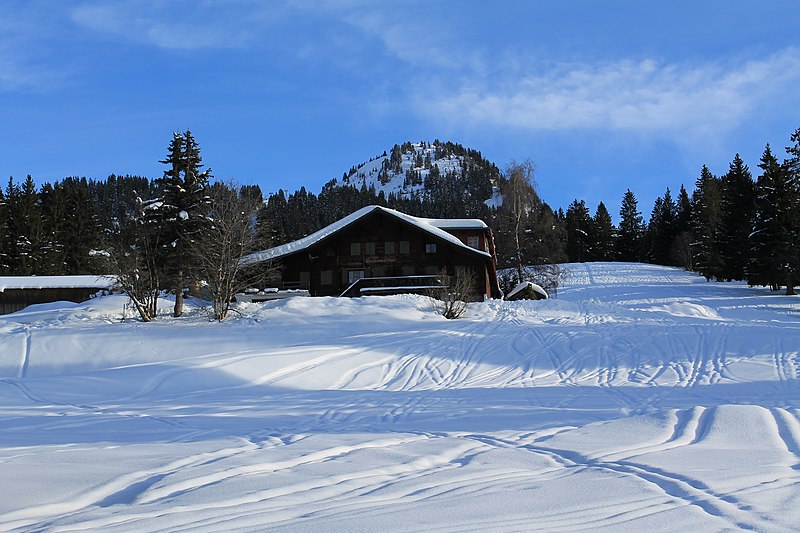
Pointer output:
179, 295
789, 285
517, 224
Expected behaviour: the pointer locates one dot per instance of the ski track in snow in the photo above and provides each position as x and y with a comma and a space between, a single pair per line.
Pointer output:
642, 398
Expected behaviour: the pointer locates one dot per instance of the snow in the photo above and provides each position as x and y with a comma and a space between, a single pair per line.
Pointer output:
643, 398
455, 223
525, 285
56, 282
368, 174
425, 224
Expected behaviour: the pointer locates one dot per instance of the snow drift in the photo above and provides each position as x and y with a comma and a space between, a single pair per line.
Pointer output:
642, 398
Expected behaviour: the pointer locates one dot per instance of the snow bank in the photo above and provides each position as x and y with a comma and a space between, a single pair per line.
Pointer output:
56, 282
643, 398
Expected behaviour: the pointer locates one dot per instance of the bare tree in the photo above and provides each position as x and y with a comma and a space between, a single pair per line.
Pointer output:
217, 253
451, 299
519, 200
134, 260
547, 276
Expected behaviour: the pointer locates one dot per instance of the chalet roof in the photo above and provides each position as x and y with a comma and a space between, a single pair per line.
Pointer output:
56, 282
455, 223
429, 225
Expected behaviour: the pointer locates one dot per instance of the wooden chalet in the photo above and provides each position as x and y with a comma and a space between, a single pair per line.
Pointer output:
18, 292
377, 250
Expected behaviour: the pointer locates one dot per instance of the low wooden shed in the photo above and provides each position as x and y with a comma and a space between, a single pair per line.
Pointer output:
18, 292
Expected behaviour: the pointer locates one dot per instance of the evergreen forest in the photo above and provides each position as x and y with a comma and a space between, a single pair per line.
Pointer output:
737, 226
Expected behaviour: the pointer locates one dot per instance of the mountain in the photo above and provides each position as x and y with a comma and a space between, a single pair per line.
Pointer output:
437, 180
425, 170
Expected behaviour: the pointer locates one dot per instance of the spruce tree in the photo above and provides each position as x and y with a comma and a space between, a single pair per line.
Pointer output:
181, 210
705, 219
10, 226
631, 229
25, 225
54, 217
82, 232
769, 237
790, 215
603, 236
4, 239
579, 231
682, 251
661, 230
737, 209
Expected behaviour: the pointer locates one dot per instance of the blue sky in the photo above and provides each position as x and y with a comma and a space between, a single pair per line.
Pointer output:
602, 96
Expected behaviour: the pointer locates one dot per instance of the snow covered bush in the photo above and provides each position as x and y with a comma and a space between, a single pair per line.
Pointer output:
451, 299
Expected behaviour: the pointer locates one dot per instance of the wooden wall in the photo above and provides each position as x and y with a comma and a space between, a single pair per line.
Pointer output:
12, 300
335, 256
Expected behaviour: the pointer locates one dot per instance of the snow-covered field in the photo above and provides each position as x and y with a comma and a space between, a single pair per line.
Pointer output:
643, 398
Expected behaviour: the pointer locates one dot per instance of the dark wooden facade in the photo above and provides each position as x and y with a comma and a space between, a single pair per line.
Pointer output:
380, 244
12, 300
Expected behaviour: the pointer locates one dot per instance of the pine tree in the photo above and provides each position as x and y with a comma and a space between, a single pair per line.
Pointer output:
789, 257
737, 209
603, 237
4, 250
705, 219
631, 229
769, 237
661, 230
25, 227
181, 210
54, 217
579, 231
82, 233
682, 252
9, 237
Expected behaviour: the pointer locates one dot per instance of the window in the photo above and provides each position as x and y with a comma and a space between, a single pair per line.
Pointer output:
326, 277
378, 272
355, 248
305, 280
474, 241
430, 248
388, 248
354, 275
407, 270
331, 251
405, 247
369, 248
431, 270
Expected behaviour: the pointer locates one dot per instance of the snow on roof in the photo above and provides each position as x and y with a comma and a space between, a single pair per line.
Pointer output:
56, 282
455, 223
425, 224
524, 285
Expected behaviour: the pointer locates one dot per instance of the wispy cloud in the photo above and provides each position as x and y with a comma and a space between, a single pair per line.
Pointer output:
24, 61
181, 26
635, 96
412, 33
17, 74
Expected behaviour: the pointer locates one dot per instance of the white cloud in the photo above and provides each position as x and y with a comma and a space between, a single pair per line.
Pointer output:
635, 96
184, 26
409, 33
24, 65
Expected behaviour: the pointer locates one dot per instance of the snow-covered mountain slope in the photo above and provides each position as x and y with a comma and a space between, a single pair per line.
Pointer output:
642, 398
407, 169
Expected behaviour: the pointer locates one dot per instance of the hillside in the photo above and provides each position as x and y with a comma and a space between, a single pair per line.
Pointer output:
643, 398
419, 169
